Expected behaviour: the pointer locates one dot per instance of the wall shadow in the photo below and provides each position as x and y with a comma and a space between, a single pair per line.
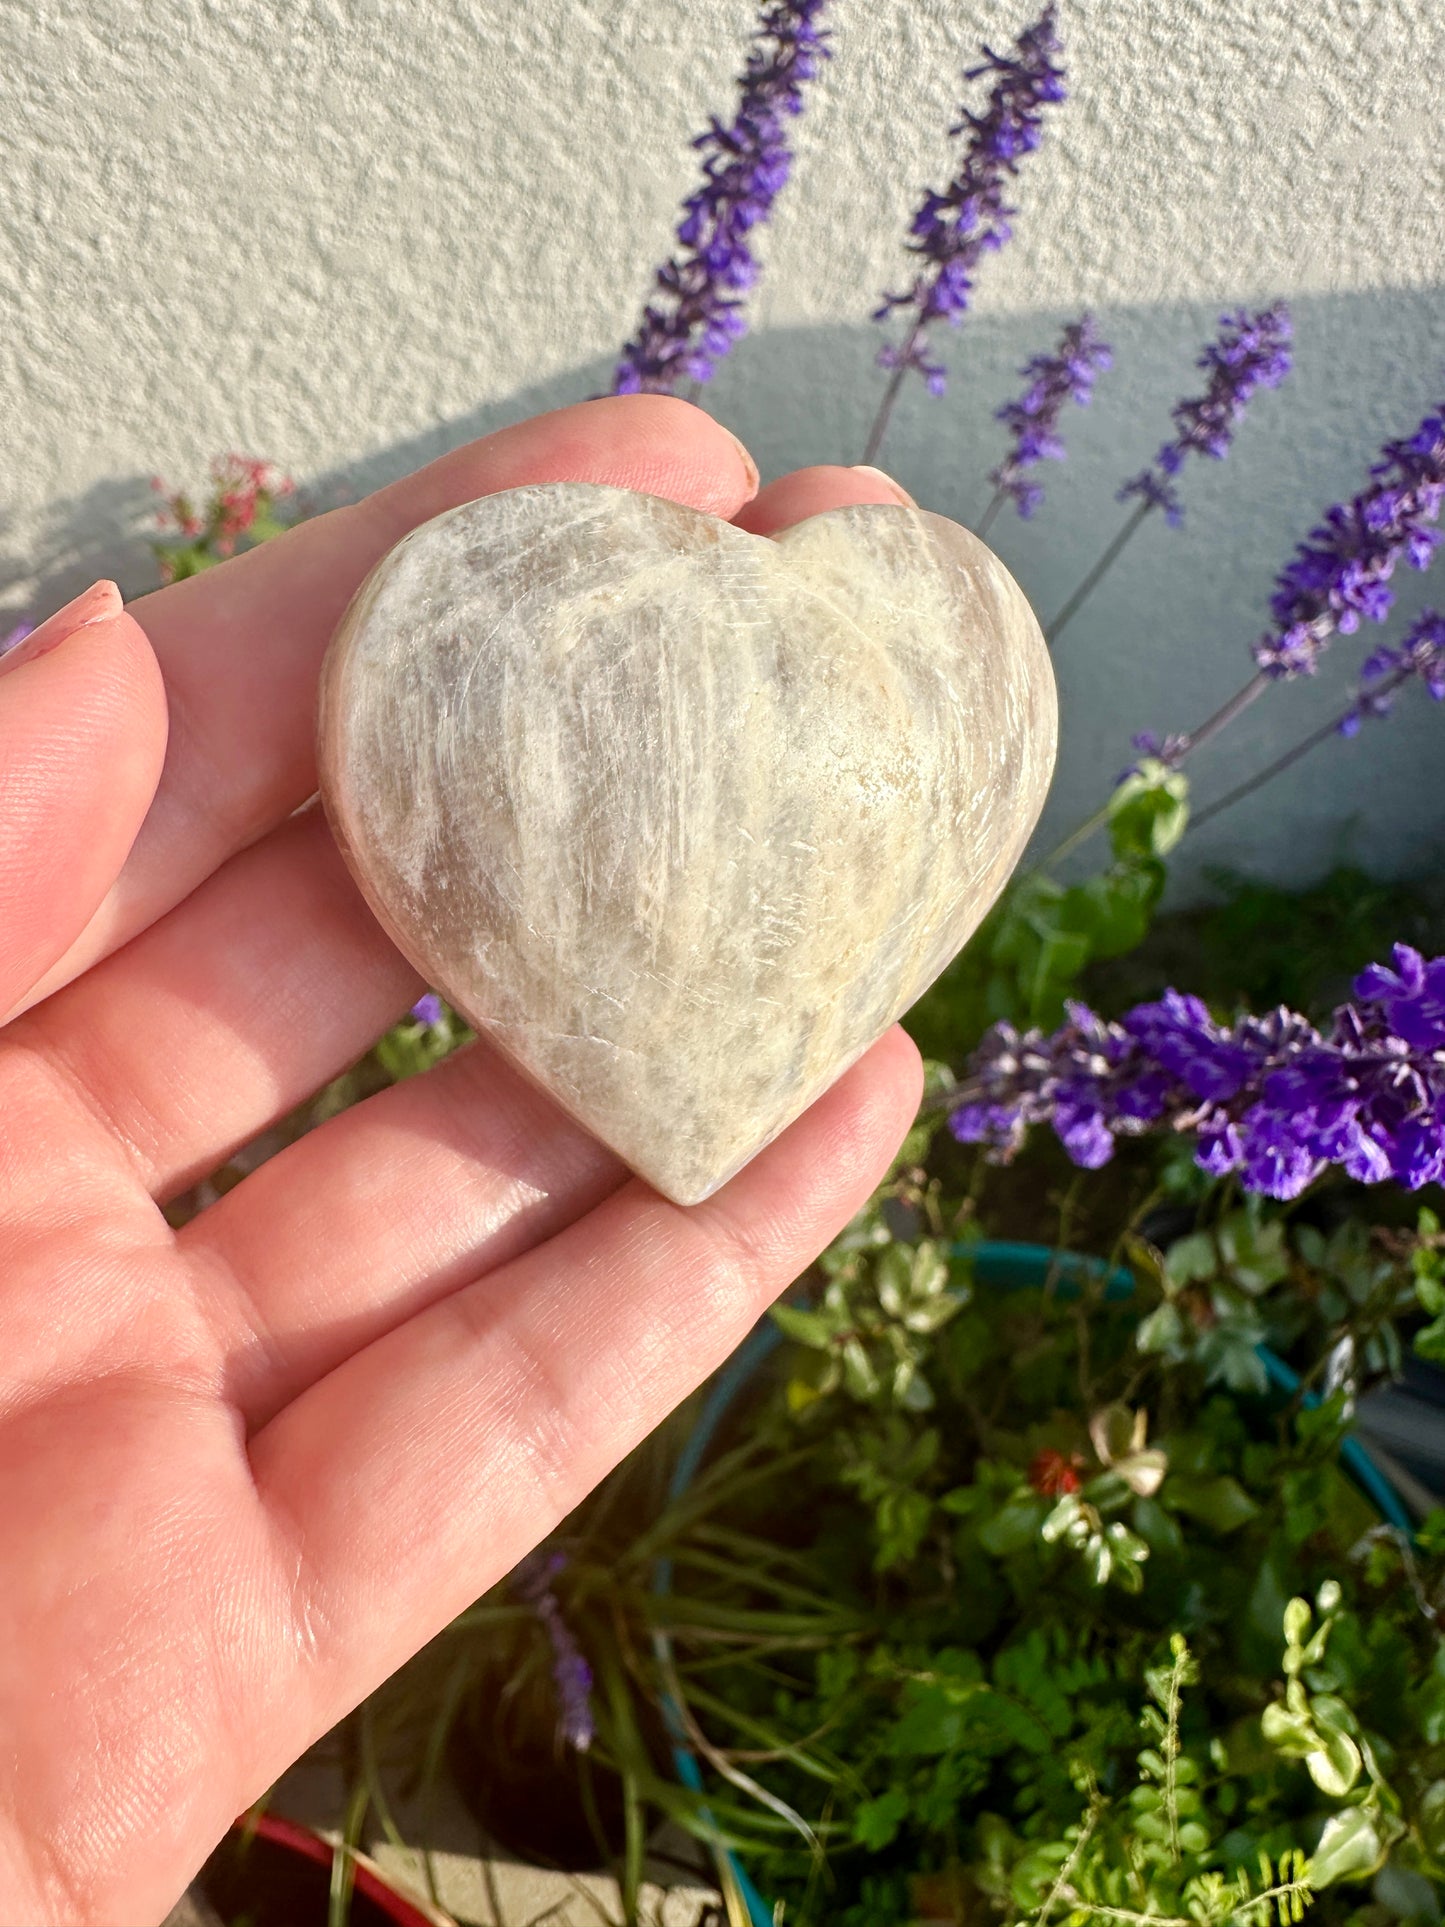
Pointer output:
1165, 640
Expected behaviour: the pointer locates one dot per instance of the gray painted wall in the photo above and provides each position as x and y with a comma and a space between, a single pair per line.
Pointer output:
348, 234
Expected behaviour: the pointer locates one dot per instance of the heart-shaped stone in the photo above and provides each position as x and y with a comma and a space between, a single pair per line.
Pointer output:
683, 818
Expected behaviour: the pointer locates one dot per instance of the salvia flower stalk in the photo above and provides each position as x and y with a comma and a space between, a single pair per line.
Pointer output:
1250, 352
1270, 1097
1066, 375
1418, 657
953, 229
571, 1674
696, 313
1340, 575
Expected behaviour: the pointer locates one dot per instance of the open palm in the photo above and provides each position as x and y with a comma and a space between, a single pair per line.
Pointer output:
248, 1468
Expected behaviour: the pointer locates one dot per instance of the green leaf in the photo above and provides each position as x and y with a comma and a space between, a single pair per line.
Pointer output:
858, 1373
1221, 1503
1430, 1817
1143, 1472
876, 1823
1292, 1733
911, 1389
815, 1329
929, 1273
1163, 1330
1334, 1766
1297, 1617
1191, 1260
1114, 909
934, 1313
1254, 1250
1349, 1847
1014, 1526
892, 1274
1228, 1354
1149, 810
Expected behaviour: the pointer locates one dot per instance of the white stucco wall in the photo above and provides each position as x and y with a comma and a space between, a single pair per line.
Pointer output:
349, 233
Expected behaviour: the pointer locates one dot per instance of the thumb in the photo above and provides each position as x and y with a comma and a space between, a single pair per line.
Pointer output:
82, 740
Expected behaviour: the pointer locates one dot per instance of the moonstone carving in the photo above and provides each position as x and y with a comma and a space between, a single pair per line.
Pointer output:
683, 818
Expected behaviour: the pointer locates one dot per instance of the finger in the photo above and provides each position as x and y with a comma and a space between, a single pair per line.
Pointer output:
82, 737
465, 1435
381, 1212
241, 645
813, 491
272, 977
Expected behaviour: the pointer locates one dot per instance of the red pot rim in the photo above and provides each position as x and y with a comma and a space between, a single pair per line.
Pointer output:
296, 1837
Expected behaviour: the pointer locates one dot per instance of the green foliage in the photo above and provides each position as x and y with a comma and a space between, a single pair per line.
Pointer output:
869, 1332
1427, 1267
1031, 1607
412, 1046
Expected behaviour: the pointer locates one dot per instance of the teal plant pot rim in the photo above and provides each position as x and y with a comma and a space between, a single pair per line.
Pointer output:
1006, 1267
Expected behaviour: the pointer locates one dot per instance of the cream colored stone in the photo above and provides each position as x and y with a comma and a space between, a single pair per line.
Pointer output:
683, 818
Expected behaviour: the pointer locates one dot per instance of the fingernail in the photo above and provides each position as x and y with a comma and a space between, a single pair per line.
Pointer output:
750, 467
895, 489
96, 604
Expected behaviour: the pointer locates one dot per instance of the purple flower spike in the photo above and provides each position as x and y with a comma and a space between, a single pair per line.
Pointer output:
14, 637
1420, 657
1252, 352
1068, 374
427, 1009
696, 314
571, 1674
953, 230
1340, 576
1268, 1097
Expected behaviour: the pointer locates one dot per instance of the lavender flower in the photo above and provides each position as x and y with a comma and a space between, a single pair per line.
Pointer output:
14, 637
427, 1009
571, 1674
1420, 656
1251, 352
954, 230
697, 313
1068, 374
1339, 576
1268, 1097
1153, 748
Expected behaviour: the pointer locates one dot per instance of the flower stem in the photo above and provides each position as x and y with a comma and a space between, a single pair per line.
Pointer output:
1224, 716
1289, 758
1196, 739
1000, 496
1096, 575
1075, 837
890, 395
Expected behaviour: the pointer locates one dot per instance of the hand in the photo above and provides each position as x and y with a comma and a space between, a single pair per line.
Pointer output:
248, 1468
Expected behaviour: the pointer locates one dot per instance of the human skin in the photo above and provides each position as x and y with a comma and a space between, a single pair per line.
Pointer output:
249, 1467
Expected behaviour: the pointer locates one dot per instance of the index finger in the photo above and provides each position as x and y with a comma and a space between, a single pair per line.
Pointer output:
240, 645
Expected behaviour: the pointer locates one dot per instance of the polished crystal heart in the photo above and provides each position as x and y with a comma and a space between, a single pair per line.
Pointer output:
683, 818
